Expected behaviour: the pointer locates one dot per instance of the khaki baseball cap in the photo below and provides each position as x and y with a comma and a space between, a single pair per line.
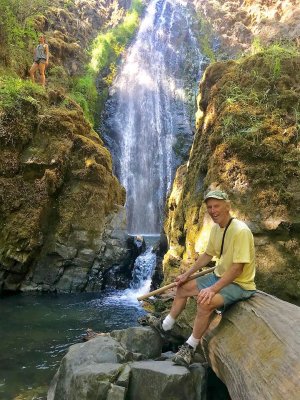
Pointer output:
216, 194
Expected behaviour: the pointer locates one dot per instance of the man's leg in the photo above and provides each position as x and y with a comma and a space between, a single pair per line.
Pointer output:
188, 289
184, 291
185, 355
204, 312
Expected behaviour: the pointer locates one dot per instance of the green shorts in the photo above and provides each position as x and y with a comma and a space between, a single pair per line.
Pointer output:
230, 293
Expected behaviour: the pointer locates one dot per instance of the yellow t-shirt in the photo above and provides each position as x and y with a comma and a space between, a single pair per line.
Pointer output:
238, 248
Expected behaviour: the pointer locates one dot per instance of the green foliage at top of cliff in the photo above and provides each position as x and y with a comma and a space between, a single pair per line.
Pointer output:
18, 31
77, 57
105, 51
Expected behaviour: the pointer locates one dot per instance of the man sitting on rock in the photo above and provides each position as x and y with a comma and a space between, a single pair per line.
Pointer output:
231, 242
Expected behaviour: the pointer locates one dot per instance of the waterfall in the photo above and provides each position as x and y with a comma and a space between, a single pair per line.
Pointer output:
150, 108
143, 269
141, 279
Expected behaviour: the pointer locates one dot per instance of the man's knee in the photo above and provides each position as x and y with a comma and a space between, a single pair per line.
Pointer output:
216, 303
188, 289
205, 308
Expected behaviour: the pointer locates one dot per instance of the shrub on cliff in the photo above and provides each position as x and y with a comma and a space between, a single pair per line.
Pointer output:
105, 51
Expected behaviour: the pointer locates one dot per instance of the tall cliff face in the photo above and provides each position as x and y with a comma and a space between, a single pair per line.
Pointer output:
247, 142
58, 193
238, 22
63, 224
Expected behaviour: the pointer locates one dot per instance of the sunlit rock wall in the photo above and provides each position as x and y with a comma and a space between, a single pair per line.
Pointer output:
247, 143
238, 22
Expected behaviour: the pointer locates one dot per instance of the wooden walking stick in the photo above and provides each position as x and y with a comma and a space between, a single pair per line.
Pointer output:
171, 285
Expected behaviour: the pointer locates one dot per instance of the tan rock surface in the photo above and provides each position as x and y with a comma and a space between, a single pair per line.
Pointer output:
255, 349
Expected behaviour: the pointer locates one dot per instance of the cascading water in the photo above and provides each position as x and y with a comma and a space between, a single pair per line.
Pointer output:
141, 277
150, 107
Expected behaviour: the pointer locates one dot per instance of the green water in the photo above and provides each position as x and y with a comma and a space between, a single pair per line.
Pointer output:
36, 330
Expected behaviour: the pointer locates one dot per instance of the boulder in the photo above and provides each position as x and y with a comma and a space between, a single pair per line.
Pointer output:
105, 368
159, 380
146, 341
87, 370
255, 349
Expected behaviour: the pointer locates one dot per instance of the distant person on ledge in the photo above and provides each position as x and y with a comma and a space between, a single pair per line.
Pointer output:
41, 59
231, 242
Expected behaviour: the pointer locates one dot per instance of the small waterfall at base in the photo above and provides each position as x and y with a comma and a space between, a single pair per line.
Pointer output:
143, 269
141, 278
151, 108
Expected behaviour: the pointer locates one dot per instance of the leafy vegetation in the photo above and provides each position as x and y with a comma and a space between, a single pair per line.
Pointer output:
12, 89
105, 52
18, 33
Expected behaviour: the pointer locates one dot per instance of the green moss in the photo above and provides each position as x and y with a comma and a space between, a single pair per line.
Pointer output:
105, 51
84, 92
205, 38
12, 90
247, 142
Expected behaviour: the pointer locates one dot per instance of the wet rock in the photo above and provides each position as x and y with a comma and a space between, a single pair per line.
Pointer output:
160, 250
159, 380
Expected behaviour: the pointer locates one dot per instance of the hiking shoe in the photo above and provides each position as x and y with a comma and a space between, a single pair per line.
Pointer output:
155, 323
184, 356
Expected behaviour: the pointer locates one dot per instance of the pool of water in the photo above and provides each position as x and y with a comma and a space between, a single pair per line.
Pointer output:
37, 329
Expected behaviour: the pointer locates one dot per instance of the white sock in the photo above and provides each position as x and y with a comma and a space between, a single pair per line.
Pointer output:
193, 342
168, 323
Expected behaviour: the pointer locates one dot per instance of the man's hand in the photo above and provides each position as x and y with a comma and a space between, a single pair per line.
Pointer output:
181, 279
205, 295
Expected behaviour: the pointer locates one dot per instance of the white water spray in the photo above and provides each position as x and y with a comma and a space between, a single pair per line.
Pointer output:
148, 109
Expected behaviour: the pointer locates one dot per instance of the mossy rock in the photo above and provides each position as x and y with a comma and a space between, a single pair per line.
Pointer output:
247, 144
55, 175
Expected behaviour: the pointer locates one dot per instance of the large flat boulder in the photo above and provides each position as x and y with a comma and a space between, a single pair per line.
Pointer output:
103, 369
